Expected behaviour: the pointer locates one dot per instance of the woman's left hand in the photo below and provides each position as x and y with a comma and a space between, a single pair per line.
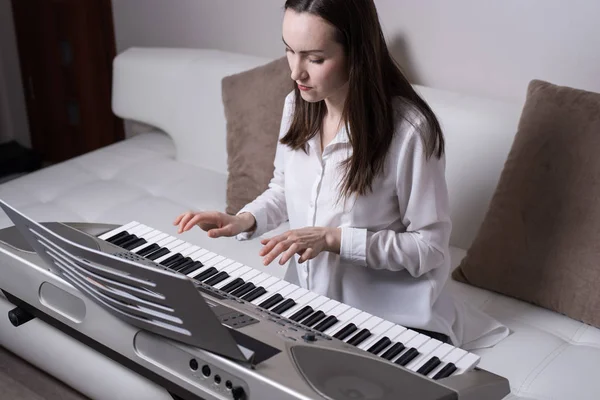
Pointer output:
307, 242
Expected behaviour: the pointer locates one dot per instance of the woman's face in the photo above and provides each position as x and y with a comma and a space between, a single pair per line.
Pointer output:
317, 61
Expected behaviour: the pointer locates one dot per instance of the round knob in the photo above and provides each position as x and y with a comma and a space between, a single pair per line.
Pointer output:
18, 316
238, 393
309, 337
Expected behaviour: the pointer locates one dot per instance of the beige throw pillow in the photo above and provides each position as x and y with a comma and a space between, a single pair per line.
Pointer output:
540, 239
253, 102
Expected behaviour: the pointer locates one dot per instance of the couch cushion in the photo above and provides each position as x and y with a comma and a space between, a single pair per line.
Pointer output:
546, 356
253, 102
539, 240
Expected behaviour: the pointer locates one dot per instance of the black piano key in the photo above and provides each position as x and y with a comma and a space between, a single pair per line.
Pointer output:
445, 372
393, 351
242, 290
271, 301
284, 306
117, 236
147, 250
359, 337
191, 268
171, 259
206, 274
220, 277
429, 366
407, 357
345, 331
313, 318
158, 253
134, 244
174, 265
123, 239
326, 323
255, 294
128, 241
302, 313
380, 345
234, 284
184, 263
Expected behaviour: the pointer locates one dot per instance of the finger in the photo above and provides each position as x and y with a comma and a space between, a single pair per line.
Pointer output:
270, 245
289, 253
217, 232
306, 255
184, 220
193, 221
178, 219
277, 250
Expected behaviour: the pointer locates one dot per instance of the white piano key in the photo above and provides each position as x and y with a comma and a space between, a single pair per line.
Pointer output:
377, 333
417, 341
174, 248
210, 259
229, 270
120, 229
258, 279
247, 277
301, 302
391, 334
167, 240
272, 290
197, 254
221, 265
424, 354
328, 306
441, 352
343, 320
468, 362
273, 280
317, 302
150, 238
190, 250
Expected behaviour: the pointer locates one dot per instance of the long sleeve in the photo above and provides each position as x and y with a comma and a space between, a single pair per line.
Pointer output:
269, 208
424, 208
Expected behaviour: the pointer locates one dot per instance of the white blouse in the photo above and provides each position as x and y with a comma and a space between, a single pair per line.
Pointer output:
394, 259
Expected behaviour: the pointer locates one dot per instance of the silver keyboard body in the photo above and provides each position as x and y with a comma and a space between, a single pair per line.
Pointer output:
295, 371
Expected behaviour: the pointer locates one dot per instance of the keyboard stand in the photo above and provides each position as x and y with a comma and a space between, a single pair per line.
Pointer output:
134, 290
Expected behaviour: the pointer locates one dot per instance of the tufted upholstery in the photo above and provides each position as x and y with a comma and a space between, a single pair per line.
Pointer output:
145, 178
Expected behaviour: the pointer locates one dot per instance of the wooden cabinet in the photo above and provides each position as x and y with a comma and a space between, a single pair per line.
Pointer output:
66, 49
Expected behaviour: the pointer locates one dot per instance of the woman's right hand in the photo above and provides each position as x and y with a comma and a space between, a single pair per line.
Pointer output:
215, 223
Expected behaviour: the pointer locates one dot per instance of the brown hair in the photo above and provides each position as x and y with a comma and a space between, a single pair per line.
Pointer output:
375, 80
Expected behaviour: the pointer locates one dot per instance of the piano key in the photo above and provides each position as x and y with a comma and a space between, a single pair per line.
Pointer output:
425, 354
217, 278
271, 291
346, 331
120, 229
445, 372
329, 305
379, 346
284, 306
357, 319
326, 323
242, 290
193, 267
134, 243
301, 313
271, 301
393, 351
358, 338
343, 319
466, 363
146, 249
313, 319
151, 238
302, 297
429, 366
441, 352
451, 358
256, 293
407, 356
123, 239
385, 329
206, 273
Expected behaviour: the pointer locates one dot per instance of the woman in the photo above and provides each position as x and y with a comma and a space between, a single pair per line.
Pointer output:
359, 174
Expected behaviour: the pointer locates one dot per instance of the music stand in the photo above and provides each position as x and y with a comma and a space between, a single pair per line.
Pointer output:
146, 296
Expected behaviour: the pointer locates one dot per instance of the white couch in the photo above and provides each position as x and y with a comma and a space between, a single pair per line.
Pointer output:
181, 164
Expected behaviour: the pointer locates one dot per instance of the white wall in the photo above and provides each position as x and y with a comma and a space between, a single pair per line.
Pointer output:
13, 115
490, 48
